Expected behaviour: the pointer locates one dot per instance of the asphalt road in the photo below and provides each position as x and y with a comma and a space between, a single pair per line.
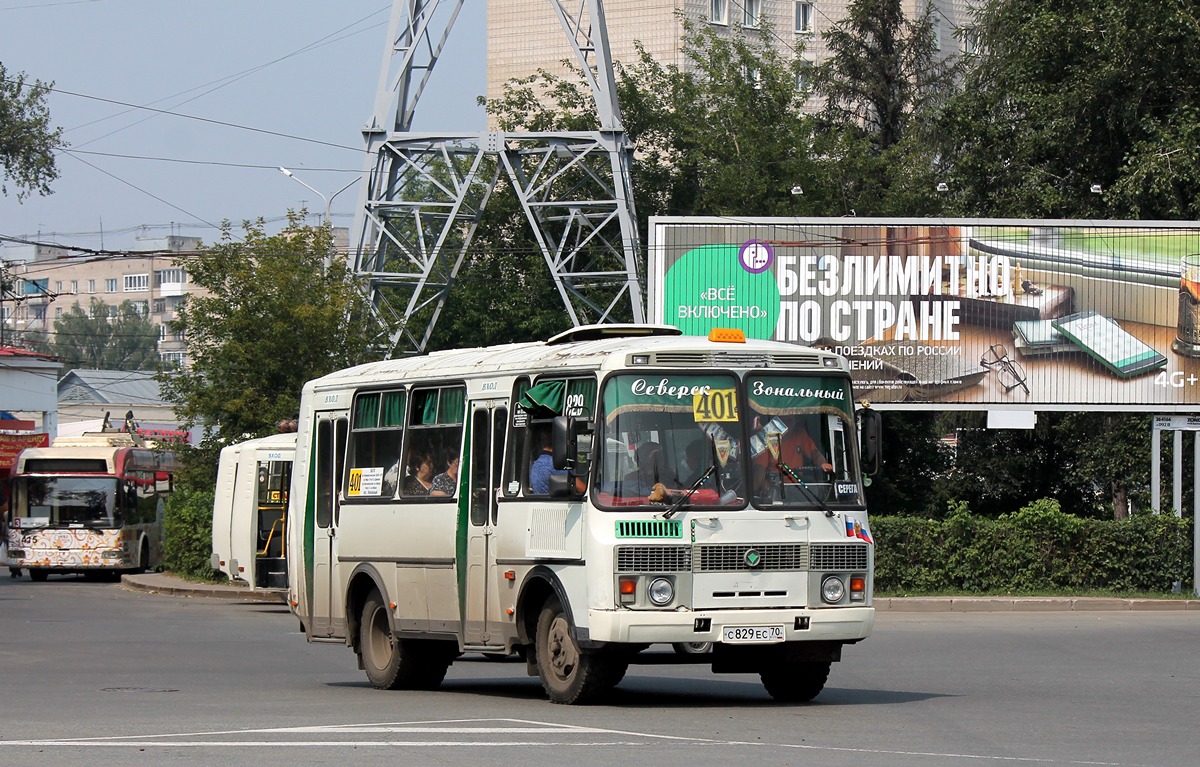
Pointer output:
94, 674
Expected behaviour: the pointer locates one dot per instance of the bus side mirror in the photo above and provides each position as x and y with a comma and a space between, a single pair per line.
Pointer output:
560, 440
571, 443
870, 430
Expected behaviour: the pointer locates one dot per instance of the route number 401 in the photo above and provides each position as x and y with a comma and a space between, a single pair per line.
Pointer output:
1176, 379
714, 405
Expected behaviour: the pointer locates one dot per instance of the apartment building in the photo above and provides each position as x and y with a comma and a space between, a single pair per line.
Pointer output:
47, 282
525, 35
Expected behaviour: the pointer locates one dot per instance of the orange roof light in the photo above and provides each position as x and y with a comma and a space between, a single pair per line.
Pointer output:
727, 335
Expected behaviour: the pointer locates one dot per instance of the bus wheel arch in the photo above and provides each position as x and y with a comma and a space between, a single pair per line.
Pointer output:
540, 585
364, 581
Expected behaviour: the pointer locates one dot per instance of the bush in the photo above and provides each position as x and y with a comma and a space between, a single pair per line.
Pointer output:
1038, 548
187, 533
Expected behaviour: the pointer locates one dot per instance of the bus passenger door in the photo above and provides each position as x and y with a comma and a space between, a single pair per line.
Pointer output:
488, 423
327, 618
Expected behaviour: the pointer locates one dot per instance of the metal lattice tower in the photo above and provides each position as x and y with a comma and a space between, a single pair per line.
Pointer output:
426, 192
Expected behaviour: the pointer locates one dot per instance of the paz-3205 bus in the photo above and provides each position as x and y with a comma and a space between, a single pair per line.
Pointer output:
579, 499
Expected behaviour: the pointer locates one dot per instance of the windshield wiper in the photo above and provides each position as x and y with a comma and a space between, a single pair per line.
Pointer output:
712, 469
690, 492
800, 483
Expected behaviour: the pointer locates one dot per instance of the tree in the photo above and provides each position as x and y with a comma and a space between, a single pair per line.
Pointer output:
1064, 94
884, 73
883, 85
27, 142
102, 339
270, 318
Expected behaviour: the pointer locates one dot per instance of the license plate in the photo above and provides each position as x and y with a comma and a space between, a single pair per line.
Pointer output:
752, 634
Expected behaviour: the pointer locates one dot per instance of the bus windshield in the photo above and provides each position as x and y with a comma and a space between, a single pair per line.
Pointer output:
777, 440
801, 441
663, 436
65, 501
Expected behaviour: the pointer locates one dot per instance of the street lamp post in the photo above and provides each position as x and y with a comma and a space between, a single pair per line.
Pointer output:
327, 200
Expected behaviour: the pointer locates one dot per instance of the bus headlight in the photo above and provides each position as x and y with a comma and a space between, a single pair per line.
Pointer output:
661, 591
832, 589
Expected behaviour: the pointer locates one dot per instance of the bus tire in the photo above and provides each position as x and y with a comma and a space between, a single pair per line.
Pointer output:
568, 675
37, 575
797, 681
397, 664
692, 648
143, 564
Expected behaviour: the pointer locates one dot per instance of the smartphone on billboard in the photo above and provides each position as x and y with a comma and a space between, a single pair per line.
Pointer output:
1113, 346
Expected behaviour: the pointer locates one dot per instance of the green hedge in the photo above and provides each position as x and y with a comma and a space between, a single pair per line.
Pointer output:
1038, 548
187, 533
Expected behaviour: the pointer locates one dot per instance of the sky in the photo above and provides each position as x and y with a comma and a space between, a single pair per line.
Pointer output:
242, 88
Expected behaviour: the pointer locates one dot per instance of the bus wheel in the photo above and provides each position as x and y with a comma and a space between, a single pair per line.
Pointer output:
398, 664
795, 682
143, 564
37, 575
568, 675
692, 648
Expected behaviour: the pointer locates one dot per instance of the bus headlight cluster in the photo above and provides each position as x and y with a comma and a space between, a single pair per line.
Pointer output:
832, 589
661, 592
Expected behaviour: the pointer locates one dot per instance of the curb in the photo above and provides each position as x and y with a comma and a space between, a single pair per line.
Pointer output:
1028, 604
159, 583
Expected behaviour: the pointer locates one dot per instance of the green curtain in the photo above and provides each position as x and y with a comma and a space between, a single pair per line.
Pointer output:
393, 409
366, 411
452, 406
547, 395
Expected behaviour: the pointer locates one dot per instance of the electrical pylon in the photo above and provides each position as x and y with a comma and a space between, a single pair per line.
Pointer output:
426, 192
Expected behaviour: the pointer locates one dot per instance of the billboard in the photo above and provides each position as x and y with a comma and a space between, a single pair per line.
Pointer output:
953, 313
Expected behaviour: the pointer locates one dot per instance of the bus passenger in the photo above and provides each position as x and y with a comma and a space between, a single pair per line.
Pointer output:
446, 482
420, 474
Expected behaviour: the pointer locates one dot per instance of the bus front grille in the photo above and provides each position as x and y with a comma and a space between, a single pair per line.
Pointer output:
659, 559
839, 556
711, 558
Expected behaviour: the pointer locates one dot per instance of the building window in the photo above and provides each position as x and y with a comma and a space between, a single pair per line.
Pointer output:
804, 75
173, 359
162, 332
141, 308
58, 286
750, 12
38, 311
170, 277
110, 285
179, 335
91, 286
136, 283
160, 306
112, 312
58, 312
718, 12
804, 18
74, 286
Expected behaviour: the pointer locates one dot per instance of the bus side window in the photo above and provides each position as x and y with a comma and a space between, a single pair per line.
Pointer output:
324, 477
515, 468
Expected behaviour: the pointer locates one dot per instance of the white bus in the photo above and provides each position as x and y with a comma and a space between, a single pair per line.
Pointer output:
89, 504
249, 538
620, 486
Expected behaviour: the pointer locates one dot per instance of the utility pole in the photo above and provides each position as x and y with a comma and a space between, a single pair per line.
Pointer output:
426, 192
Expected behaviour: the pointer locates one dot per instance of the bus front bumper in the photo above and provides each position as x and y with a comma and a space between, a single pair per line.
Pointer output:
838, 624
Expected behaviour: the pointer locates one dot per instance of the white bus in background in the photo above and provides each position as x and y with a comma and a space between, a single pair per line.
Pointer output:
249, 539
689, 522
90, 504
